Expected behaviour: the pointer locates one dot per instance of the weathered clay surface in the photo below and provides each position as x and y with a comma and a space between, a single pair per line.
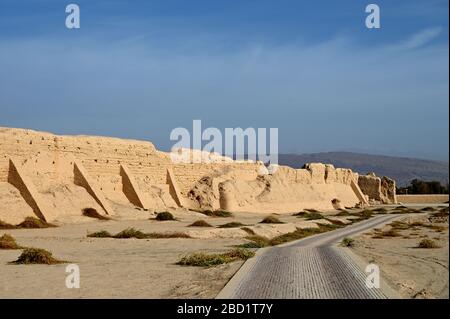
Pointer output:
379, 190
56, 177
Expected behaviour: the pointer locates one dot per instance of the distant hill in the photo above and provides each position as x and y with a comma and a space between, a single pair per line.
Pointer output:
402, 169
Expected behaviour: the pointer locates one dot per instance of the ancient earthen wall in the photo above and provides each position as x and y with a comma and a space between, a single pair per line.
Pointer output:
104, 172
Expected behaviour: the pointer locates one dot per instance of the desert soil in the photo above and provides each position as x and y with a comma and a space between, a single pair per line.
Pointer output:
414, 272
120, 268
145, 268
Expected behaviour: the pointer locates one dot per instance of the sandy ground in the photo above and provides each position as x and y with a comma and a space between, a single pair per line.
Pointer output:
145, 268
120, 268
413, 272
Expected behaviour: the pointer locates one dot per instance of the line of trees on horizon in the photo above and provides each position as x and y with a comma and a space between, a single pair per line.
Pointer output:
418, 187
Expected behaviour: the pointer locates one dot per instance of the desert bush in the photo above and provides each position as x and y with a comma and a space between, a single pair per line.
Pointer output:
100, 234
231, 225
164, 216
130, 233
348, 242
296, 235
217, 213
200, 223
443, 213
271, 220
344, 213
92, 212
255, 241
387, 233
240, 253
300, 214
380, 210
314, 216
8, 242
133, 233
400, 225
201, 259
32, 222
37, 256
428, 243
167, 235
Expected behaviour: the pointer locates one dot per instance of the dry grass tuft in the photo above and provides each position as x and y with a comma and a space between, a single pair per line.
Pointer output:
37, 256
100, 234
386, 234
256, 241
428, 243
232, 225
134, 233
130, 233
200, 223
32, 222
348, 242
217, 213
8, 242
164, 216
166, 235
271, 220
201, 259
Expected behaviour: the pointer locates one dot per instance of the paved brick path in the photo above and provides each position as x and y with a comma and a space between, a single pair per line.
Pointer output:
310, 268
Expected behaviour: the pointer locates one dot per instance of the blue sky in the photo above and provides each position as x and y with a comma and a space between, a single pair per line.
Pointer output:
138, 69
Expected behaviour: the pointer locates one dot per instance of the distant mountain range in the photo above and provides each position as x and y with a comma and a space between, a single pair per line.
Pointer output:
402, 169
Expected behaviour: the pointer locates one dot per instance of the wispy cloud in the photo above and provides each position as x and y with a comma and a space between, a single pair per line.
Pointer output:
334, 94
422, 38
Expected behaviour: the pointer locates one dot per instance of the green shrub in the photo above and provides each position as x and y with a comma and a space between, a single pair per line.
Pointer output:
164, 216
37, 256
